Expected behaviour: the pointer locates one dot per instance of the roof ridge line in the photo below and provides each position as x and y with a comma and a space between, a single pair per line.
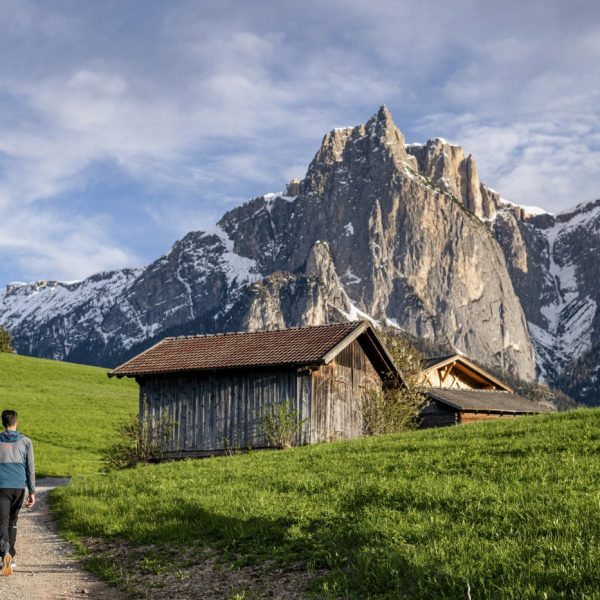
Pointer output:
266, 330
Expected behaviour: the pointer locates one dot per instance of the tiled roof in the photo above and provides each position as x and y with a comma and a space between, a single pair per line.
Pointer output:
485, 401
295, 346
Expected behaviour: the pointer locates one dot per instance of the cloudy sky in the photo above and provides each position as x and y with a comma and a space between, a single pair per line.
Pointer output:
126, 123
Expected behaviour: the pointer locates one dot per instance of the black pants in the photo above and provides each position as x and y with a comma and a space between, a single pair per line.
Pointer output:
11, 500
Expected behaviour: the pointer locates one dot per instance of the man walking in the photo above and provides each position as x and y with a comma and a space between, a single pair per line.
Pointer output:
17, 472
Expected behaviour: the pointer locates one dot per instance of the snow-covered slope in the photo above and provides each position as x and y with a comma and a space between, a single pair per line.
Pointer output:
554, 264
63, 308
571, 313
109, 315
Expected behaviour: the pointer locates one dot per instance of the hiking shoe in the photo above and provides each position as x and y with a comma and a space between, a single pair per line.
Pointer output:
7, 565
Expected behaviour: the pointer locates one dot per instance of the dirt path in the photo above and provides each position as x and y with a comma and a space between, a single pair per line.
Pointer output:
46, 566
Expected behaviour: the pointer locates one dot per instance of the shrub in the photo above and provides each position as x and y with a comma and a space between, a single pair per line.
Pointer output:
281, 425
392, 410
141, 441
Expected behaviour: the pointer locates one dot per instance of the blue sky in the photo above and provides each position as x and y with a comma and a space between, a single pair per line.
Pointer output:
125, 124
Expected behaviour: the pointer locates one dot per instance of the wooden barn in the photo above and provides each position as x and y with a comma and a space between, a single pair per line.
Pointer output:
459, 392
216, 388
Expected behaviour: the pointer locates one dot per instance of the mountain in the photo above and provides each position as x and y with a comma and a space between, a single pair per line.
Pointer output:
553, 263
404, 234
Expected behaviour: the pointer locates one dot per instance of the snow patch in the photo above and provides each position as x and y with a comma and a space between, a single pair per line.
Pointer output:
237, 268
530, 210
272, 196
349, 228
349, 278
355, 314
393, 323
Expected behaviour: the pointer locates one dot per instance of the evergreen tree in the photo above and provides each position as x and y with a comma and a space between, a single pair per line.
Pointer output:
6, 341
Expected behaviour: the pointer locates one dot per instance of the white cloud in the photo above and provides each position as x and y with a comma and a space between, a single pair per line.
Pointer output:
29, 238
210, 103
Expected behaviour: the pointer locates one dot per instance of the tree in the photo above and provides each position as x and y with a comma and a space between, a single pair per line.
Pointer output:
396, 408
6, 341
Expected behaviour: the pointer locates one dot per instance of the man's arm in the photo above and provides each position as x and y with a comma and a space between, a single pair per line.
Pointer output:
30, 475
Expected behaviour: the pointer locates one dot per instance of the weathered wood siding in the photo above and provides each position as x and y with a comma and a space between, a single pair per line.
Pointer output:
219, 411
338, 392
222, 410
437, 414
472, 417
453, 377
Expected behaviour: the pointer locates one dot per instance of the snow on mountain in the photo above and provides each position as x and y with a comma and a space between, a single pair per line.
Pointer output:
529, 210
571, 313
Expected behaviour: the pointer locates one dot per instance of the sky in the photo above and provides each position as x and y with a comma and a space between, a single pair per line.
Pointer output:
124, 124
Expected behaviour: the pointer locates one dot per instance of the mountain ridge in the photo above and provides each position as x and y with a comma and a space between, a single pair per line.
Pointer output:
403, 233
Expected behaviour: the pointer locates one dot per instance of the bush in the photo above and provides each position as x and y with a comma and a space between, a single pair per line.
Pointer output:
141, 441
392, 411
281, 425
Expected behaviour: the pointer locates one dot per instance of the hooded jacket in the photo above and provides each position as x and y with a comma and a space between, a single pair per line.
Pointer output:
17, 467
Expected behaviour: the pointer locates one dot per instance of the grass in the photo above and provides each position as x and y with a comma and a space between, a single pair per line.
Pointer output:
70, 411
506, 510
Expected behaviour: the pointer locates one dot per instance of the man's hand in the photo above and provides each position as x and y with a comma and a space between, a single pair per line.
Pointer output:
30, 501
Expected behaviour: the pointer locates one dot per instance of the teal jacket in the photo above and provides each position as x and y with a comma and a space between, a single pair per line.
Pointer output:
17, 467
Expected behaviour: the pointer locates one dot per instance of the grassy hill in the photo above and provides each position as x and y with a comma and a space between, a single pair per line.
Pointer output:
506, 510
70, 411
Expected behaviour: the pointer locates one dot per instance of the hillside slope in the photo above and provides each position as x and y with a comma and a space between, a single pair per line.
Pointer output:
504, 509
70, 411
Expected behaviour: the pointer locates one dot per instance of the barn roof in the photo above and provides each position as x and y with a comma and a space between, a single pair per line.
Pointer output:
493, 401
435, 360
298, 346
467, 366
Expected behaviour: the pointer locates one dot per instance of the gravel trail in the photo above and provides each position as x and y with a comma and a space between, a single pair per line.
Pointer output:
47, 568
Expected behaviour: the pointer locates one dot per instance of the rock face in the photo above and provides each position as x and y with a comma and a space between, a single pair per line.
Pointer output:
553, 262
404, 249
404, 235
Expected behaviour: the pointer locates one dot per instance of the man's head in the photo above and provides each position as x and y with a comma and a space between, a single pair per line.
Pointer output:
9, 419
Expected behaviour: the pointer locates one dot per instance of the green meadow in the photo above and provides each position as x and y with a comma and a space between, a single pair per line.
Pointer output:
70, 411
507, 510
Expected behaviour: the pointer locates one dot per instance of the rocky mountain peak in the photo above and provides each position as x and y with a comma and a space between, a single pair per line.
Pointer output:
381, 125
373, 146
581, 210
447, 165
404, 234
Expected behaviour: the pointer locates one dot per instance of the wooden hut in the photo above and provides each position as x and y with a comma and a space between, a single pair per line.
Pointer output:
459, 392
458, 372
216, 389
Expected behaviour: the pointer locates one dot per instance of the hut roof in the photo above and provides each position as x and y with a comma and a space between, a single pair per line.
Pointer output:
493, 401
298, 346
467, 366
436, 360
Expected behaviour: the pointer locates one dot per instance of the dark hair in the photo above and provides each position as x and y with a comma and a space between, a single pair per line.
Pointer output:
9, 418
